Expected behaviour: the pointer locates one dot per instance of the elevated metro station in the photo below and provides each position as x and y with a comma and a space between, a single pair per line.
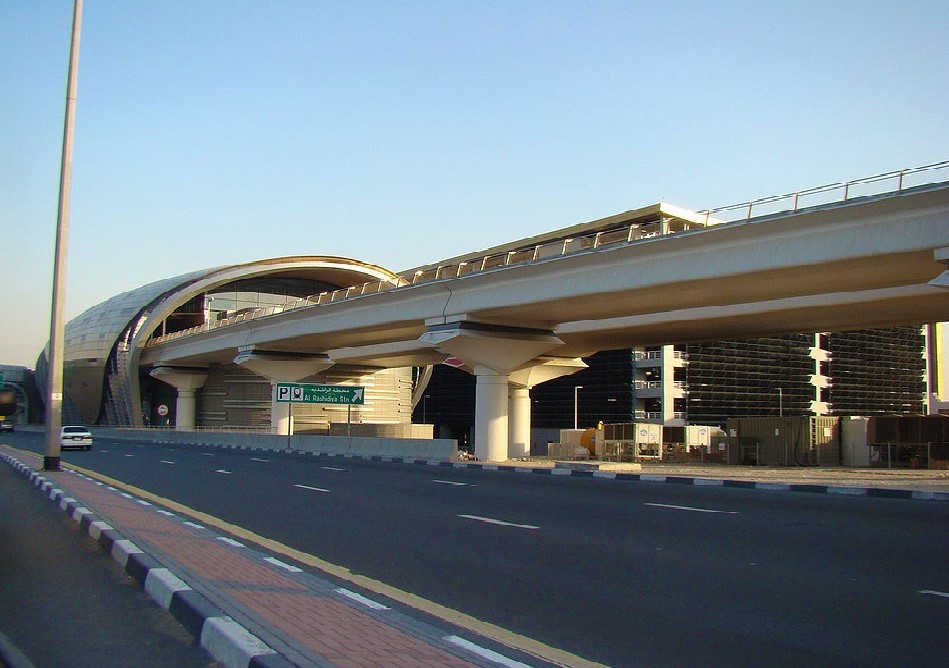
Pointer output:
106, 385
204, 349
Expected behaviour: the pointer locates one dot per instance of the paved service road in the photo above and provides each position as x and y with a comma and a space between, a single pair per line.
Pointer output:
624, 573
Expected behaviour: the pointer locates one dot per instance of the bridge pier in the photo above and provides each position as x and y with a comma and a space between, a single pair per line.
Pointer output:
493, 352
521, 382
281, 367
186, 381
519, 421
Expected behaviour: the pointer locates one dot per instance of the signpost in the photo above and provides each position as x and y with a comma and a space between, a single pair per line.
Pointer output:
308, 393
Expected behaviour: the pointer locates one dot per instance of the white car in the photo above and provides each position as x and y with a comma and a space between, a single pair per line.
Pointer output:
75, 436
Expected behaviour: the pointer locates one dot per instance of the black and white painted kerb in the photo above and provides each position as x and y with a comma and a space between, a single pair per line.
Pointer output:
223, 638
843, 490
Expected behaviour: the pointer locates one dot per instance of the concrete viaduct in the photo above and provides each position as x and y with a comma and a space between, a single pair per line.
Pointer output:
872, 262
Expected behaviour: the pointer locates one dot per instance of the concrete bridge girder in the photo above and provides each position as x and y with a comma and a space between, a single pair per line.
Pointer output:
874, 263
501, 349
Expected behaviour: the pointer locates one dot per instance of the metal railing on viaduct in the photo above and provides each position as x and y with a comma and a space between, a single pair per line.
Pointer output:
879, 185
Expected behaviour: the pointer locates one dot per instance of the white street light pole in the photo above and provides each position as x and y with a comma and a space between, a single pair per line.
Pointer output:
54, 397
576, 404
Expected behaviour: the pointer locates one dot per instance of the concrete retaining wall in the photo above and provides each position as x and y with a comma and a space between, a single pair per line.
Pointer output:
436, 449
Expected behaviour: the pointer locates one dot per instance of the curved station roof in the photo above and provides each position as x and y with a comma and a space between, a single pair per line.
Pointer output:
100, 382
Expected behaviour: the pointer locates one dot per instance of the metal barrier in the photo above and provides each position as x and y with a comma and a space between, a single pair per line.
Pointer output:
831, 193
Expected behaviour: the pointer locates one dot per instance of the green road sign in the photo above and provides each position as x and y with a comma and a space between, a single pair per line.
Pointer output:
306, 393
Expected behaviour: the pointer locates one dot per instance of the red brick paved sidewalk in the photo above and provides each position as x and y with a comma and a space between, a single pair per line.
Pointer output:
294, 616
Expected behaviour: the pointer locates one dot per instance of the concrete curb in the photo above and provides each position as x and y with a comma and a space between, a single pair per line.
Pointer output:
220, 636
871, 492
876, 492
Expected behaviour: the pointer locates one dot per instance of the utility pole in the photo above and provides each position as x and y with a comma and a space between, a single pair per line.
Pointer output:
57, 326
576, 404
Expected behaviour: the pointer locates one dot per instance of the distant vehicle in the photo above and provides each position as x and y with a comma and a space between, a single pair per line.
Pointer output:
6, 425
75, 436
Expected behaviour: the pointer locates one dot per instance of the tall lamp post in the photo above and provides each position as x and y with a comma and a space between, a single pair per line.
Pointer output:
57, 327
576, 404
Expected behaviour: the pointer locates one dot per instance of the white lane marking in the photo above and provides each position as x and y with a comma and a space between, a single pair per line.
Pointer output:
359, 598
315, 489
258, 459
690, 508
485, 653
126, 495
143, 502
454, 482
230, 541
491, 520
277, 562
167, 512
207, 454
129, 455
165, 461
192, 524
930, 592
224, 471
331, 468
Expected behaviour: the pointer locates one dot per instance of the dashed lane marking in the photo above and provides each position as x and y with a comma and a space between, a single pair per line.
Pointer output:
454, 483
930, 592
691, 509
313, 489
491, 520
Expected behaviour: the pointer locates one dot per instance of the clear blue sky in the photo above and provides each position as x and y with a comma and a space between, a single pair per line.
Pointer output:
211, 132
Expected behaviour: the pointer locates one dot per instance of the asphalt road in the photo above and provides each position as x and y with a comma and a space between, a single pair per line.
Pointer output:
624, 573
